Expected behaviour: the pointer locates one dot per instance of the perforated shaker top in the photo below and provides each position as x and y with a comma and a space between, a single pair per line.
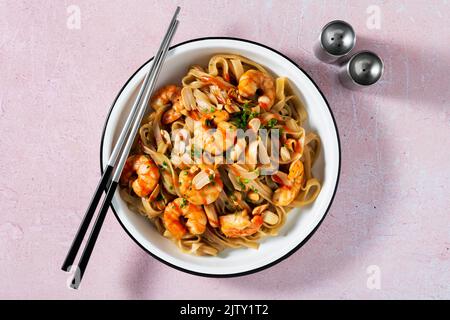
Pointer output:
338, 37
365, 68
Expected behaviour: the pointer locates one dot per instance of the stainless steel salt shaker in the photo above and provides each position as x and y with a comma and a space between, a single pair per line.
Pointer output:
337, 38
363, 69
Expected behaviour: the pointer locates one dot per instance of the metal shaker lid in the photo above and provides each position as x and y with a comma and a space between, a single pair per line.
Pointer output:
338, 38
365, 68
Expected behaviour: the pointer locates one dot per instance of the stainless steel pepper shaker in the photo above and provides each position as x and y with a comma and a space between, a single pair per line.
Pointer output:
363, 69
337, 38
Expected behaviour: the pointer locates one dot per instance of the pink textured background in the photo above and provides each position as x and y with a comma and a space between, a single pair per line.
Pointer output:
392, 206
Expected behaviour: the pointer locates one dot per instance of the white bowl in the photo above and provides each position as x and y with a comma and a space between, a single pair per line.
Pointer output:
301, 223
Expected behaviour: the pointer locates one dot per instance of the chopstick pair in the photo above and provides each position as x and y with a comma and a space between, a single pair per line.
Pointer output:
116, 162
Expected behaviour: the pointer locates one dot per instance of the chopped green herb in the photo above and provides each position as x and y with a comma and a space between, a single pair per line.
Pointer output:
245, 180
160, 197
211, 177
240, 183
212, 109
242, 118
271, 123
185, 172
164, 164
183, 203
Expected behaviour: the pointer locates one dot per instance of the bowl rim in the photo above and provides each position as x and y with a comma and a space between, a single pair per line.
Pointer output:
297, 247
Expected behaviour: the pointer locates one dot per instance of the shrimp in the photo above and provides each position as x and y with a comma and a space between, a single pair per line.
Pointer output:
238, 224
170, 116
167, 95
222, 139
200, 185
251, 81
215, 117
286, 194
194, 215
147, 174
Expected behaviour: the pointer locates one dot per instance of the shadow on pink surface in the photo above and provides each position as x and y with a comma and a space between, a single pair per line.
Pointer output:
415, 86
140, 275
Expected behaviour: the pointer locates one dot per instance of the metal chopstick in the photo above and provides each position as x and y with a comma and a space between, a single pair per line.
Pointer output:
133, 120
84, 259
